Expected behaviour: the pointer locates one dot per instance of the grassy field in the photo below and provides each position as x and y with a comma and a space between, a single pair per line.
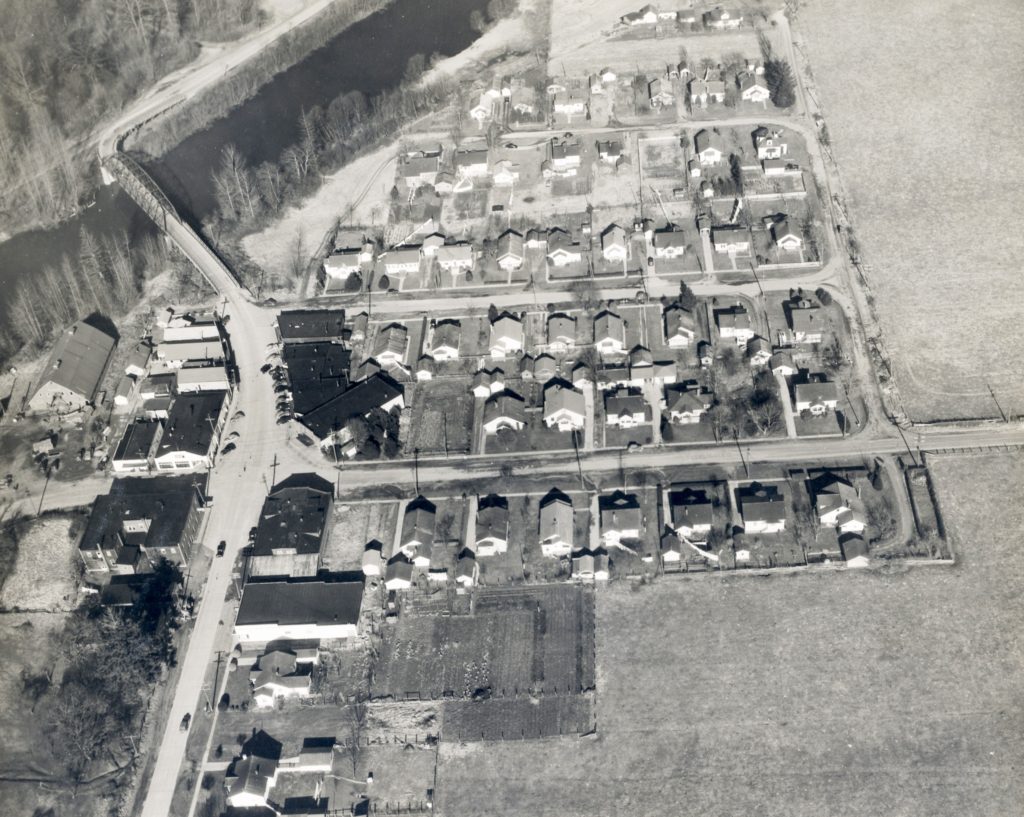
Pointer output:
352, 527
45, 574
844, 694
940, 146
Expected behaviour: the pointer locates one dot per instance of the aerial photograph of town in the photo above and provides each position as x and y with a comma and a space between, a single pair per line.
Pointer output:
511, 408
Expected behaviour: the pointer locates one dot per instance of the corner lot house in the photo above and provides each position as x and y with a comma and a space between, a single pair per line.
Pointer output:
818, 397
298, 611
492, 526
763, 508
837, 504
806, 324
74, 371
564, 407
250, 778
785, 237
734, 323
292, 528
192, 431
557, 524
769, 144
609, 334
506, 336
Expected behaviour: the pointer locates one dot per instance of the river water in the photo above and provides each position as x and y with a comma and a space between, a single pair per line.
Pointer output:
368, 56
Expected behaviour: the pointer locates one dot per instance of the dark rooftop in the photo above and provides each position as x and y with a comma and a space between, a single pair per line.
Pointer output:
300, 325
294, 515
137, 440
357, 401
191, 421
297, 602
317, 372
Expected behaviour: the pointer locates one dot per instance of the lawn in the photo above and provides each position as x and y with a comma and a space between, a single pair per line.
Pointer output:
923, 273
892, 692
442, 419
352, 526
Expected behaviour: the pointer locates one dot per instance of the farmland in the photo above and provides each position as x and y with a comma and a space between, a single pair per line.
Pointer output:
925, 270
892, 692
512, 642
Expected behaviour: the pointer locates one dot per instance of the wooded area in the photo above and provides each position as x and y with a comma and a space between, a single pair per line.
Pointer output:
64, 65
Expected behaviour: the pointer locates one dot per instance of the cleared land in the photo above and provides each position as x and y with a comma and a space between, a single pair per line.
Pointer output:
513, 642
939, 147
840, 693
45, 576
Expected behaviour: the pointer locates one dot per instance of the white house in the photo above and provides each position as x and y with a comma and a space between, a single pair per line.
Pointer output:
562, 250
401, 260
390, 345
492, 526
570, 102
706, 90
281, 674
609, 334
613, 244
818, 397
506, 409
669, 244
444, 340
455, 257
506, 336
731, 239
680, 327
686, 404
660, 94
483, 110
837, 504
706, 146
561, 333
734, 323
692, 514
510, 251
769, 144
625, 409
763, 509
398, 573
505, 173
557, 524
720, 18
471, 163
621, 517
753, 88
564, 407
785, 237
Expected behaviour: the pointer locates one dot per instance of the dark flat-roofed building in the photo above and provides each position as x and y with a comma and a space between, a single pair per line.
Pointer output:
74, 371
141, 520
192, 431
292, 527
298, 610
317, 372
308, 325
379, 391
138, 446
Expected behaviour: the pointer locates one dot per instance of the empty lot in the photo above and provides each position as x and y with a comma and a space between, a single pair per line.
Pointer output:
933, 204
842, 693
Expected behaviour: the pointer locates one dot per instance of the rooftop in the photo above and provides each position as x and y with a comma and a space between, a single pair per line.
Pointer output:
300, 325
79, 359
300, 602
294, 516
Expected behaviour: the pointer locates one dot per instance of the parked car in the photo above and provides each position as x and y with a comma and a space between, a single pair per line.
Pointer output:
222, 547
266, 367
227, 449
186, 722
305, 439
284, 418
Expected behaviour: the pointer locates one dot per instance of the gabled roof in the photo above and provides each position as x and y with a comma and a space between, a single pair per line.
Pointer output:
507, 405
807, 320
392, 339
609, 325
560, 395
357, 401
556, 516
620, 511
492, 518
510, 243
686, 399
679, 322
469, 156
79, 359
706, 139
690, 507
735, 317
762, 503
816, 392
625, 403
561, 325
418, 522
669, 238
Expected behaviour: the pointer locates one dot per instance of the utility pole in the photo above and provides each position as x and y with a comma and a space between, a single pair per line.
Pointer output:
905, 443
576, 448
746, 466
416, 469
994, 400
273, 465
216, 672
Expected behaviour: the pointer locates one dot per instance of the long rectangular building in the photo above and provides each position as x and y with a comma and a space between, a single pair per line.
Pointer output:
298, 611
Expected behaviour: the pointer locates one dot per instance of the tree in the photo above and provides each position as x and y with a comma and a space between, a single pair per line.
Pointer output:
781, 87
824, 296
496, 9
477, 21
354, 282
687, 297
354, 727
415, 68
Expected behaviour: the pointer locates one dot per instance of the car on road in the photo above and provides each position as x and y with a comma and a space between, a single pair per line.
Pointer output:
305, 439
234, 435
266, 367
186, 722
222, 547
227, 449
284, 418
238, 415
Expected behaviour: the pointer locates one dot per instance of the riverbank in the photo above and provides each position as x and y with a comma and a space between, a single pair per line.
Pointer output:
319, 25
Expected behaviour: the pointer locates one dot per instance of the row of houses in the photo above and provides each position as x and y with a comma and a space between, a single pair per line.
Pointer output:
718, 18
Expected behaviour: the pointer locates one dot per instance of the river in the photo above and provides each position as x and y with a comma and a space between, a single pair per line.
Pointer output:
368, 56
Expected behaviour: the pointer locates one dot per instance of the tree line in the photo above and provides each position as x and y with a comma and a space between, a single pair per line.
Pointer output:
64, 66
106, 276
